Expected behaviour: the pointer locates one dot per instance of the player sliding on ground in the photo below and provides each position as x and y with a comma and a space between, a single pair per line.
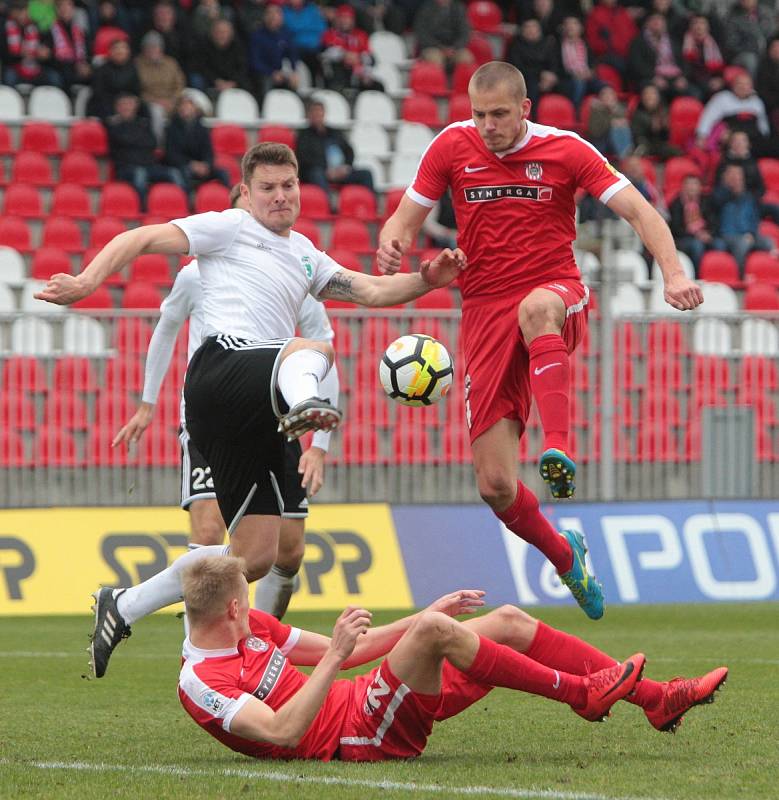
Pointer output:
239, 679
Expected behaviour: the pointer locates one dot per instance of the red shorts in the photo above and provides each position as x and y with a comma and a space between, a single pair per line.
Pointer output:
386, 720
497, 379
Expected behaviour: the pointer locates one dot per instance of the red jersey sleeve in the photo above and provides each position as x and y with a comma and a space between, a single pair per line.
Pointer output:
285, 637
434, 171
594, 173
210, 696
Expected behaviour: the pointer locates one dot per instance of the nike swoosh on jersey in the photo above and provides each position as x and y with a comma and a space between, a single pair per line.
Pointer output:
539, 370
474, 169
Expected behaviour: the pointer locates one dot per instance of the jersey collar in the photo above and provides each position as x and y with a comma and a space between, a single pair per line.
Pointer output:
198, 652
521, 143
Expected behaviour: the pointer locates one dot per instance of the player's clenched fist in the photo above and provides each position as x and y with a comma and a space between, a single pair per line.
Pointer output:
388, 256
682, 293
352, 622
62, 290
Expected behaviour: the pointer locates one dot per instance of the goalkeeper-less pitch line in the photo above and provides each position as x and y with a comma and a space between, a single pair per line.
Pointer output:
283, 777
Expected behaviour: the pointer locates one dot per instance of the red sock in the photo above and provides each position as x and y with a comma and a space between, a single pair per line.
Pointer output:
524, 518
563, 651
550, 384
498, 665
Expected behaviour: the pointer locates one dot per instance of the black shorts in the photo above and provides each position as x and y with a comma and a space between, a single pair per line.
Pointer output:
232, 410
295, 499
196, 480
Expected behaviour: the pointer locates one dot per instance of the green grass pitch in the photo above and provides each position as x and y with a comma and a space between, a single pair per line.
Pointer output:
126, 736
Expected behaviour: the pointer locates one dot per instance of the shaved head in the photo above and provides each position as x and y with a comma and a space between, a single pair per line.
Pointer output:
499, 73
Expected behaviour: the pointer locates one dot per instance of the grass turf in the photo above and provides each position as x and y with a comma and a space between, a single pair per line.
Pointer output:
126, 736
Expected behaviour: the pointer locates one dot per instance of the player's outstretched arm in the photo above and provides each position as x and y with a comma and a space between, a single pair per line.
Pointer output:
400, 231
680, 292
133, 430
63, 289
377, 291
287, 726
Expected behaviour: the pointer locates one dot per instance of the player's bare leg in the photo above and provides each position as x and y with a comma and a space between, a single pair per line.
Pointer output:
304, 364
541, 318
274, 591
418, 658
205, 523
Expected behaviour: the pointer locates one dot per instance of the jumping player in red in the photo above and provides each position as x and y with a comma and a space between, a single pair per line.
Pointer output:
524, 309
239, 683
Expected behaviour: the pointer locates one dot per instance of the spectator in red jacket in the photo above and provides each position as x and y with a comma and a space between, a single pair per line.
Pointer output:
346, 56
25, 55
609, 31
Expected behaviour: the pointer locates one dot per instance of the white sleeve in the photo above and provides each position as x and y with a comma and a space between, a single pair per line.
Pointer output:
211, 233
313, 321
330, 388
326, 267
174, 311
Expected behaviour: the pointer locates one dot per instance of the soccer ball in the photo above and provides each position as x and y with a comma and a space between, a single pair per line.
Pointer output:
416, 370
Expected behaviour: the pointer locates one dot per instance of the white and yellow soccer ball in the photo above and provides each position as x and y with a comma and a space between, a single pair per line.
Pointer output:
416, 370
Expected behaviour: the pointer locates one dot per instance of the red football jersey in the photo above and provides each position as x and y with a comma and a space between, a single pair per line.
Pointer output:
215, 684
515, 210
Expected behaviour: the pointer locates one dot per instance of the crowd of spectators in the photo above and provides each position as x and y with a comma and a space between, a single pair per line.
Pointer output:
622, 64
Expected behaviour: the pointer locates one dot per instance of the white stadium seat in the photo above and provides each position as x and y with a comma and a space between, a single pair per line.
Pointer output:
372, 106
391, 79
7, 299
403, 167
589, 264
337, 111
759, 337
633, 265
282, 107
718, 298
30, 304
627, 300
11, 103
388, 47
237, 106
49, 102
712, 337
370, 139
201, 100
83, 336
377, 170
31, 336
12, 268
412, 138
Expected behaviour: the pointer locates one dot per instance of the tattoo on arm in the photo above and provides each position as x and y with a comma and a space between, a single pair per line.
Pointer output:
340, 285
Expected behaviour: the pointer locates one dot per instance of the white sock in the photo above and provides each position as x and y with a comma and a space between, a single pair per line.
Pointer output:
299, 375
164, 588
274, 591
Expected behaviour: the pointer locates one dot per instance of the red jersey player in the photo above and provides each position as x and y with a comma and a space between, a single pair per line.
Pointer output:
239, 682
524, 309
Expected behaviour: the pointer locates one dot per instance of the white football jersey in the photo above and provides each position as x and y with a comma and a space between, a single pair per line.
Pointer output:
253, 281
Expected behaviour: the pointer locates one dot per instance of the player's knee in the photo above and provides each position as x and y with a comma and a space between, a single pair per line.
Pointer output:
258, 566
514, 618
326, 349
291, 556
496, 489
435, 629
536, 314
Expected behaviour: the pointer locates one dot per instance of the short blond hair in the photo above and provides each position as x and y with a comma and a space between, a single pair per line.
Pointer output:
493, 73
272, 153
210, 584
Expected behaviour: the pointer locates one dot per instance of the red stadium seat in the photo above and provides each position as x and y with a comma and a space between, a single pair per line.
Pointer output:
141, 295
152, 268
676, 170
656, 442
410, 441
314, 202
66, 411
277, 133
229, 140
82, 168
100, 452
55, 448
351, 234
23, 201
15, 233
24, 374
119, 200
437, 299
461, 77
88, 136
761, 297
63, 233
609, 75
626, 340
123, 374
7, 147
160, 445
757, 374
100, 299
719, 267
74, 374
211, 196
420, 108
459, 108
392, 199
132, 336
168, 201
769, 229
104, 229
358, 202
427, 77
664, 372
556, 110
310, 230
480, 48
683, 119
359, 444
12, 450
40, 137
666, 337
113, 409
32, 168
47, 261
769, 170
762, 267
661, 406
231, 165
17, 412
105, 37
71, 200
346, 258
485, 16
